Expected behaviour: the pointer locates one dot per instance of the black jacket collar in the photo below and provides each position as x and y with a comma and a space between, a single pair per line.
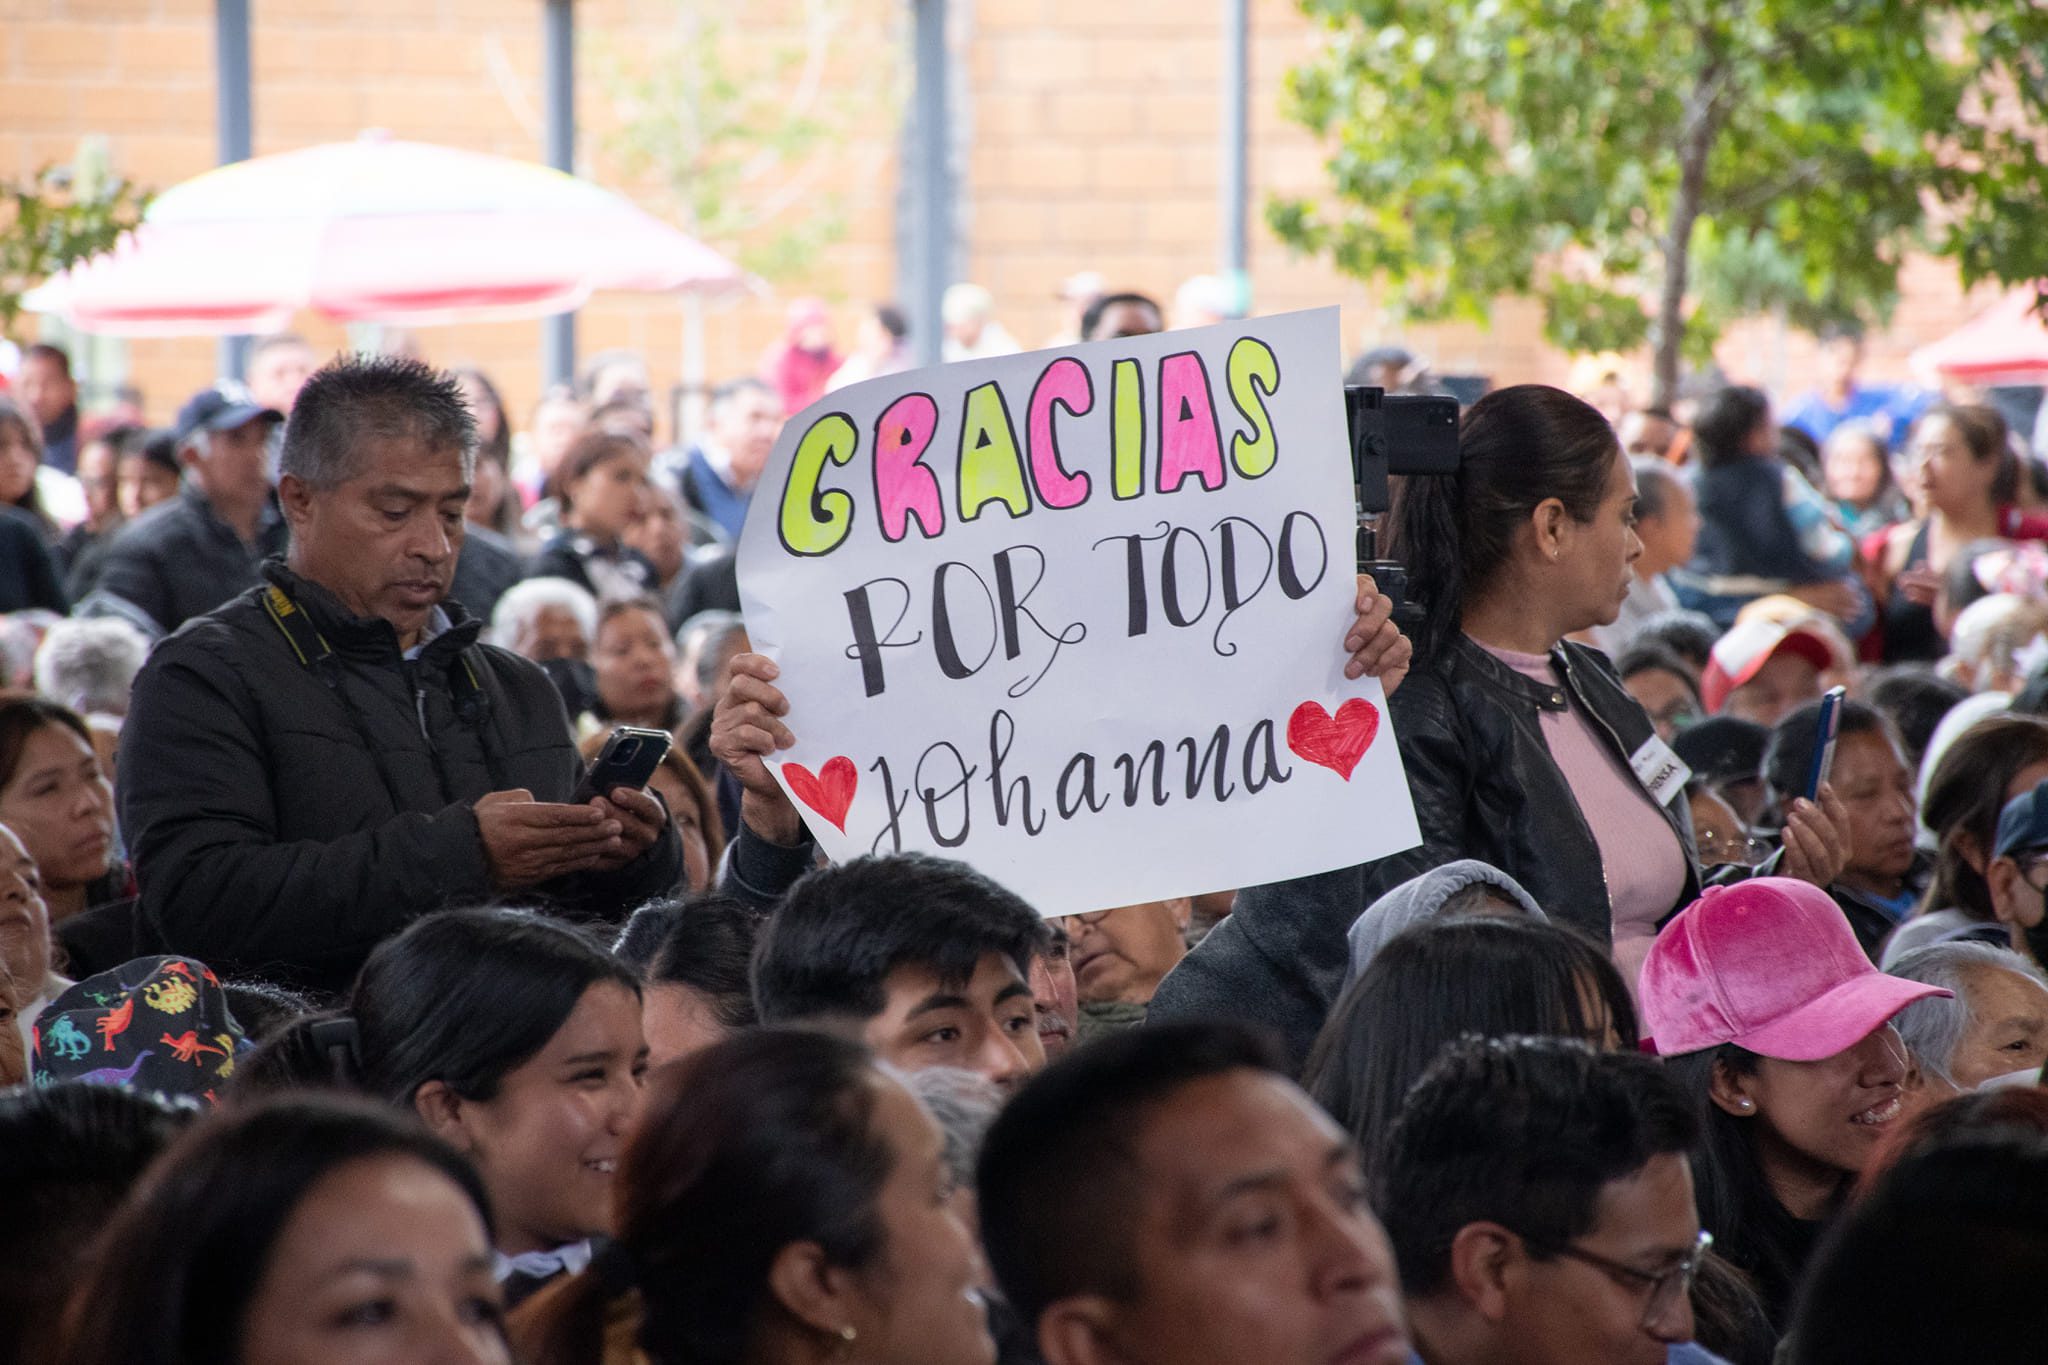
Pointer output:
368, 638
1468, 656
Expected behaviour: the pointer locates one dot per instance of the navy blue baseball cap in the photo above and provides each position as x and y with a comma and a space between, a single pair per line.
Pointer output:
212, 410
2023, 824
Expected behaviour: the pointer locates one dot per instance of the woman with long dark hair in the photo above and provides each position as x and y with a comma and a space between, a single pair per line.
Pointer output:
1964, 482
1522, 748
28, 569
516, 1039
784, 1203
1771, 1016
1518, 741
21, 460
1444, 979
634, 659
56, 798
1997, 760
299, 1232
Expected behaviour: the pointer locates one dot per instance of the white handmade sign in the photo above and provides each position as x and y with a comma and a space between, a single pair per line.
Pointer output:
1076, 617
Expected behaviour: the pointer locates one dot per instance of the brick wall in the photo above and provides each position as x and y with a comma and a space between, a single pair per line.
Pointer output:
1093, 131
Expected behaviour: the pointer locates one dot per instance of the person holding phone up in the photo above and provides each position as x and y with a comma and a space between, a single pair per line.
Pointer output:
325, 758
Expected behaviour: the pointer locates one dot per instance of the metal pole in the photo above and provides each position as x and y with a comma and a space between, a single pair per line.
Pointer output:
932, 208
1236, 177
232, 126
558, 61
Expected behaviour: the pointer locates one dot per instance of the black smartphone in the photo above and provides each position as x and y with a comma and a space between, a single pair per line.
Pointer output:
1830, 729
628, 759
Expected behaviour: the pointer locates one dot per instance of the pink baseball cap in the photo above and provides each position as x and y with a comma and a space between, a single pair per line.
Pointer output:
1770, 965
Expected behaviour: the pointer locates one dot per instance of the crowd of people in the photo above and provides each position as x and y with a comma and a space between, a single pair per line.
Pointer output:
342, 1020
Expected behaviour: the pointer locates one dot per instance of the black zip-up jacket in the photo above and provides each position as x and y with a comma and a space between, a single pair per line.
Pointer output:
287, 816
28, 575
1471, 736
179, 560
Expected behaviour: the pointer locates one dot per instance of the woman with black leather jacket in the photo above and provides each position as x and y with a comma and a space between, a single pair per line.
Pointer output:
1522, 748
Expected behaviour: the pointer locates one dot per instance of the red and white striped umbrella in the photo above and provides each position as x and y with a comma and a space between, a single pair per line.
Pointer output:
375, 230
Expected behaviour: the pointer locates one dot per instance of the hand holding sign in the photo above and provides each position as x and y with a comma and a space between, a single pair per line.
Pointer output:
746, 728
1377, 646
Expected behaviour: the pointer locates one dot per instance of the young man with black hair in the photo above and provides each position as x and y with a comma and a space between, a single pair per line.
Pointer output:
926, 961
1168, 1197
1540, 1204
770, 848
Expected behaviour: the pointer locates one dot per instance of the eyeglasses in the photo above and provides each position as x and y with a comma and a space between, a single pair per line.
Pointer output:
2034, 871
1667, 1287
1678, 715
1718, 850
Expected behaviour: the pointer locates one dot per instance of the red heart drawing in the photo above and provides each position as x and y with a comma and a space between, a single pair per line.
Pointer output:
829, 791
1337, 744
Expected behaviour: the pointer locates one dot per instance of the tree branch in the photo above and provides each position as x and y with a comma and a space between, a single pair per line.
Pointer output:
1805, 175
1703, 120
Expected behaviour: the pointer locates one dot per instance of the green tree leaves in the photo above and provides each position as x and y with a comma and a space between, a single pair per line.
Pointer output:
52, 220
1656, 169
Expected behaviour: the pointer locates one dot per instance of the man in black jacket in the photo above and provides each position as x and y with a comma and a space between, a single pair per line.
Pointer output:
332, 754
190, 554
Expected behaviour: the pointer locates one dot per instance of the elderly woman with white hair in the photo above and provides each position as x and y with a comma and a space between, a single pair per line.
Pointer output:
90, 665
1997, 643
1996, 1023
545, 618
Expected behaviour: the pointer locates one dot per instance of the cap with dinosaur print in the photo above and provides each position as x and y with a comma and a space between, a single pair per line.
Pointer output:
155, 1024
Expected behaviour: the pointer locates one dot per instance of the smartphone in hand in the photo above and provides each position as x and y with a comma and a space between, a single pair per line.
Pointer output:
628, 759
1830, 729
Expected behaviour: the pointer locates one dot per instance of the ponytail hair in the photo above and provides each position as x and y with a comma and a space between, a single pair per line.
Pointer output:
1516, 447
312, 1052
758, 1142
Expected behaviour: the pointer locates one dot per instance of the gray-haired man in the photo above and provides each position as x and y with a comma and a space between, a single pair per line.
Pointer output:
186, 556
331, 754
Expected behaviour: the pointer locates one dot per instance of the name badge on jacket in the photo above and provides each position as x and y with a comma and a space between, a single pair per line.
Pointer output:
1662, 773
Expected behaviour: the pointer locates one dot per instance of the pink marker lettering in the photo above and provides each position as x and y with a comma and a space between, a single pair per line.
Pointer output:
903, 485
1190, 442
1064, 384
